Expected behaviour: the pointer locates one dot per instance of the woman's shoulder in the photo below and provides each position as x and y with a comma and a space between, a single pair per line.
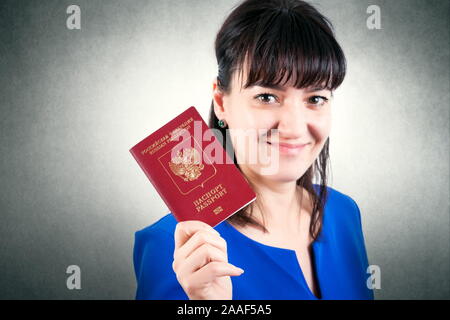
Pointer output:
340, 205
155, 242
336, 197
165, 226
153, 256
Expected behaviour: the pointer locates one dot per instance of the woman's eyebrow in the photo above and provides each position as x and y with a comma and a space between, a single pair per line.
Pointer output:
316, 89
320, 89
268, 86
283, 89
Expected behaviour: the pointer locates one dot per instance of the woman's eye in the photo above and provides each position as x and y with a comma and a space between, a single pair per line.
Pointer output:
265, 98
318, 100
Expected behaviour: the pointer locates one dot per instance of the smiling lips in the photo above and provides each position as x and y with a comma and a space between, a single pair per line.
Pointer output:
288, 148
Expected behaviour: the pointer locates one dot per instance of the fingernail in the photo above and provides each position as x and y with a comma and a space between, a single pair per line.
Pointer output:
240, 270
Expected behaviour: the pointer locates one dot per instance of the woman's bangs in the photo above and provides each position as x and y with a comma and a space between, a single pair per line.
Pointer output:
296, 51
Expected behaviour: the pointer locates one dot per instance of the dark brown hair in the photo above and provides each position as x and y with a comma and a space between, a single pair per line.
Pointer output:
274, 37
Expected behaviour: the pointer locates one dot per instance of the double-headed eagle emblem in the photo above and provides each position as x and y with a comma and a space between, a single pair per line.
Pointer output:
187, 164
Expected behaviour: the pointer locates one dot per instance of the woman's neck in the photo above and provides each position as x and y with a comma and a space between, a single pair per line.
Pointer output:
282, 206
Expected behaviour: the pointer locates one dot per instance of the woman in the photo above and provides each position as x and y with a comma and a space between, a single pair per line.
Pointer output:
279, 64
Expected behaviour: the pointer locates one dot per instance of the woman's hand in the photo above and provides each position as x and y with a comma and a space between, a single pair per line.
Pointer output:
201, 262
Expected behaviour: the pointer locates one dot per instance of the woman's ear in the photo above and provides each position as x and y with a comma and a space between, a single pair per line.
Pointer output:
219, 109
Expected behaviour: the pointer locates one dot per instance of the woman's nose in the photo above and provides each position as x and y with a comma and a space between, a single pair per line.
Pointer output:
293, 121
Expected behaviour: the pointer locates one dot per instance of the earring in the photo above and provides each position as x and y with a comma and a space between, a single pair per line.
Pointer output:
222, 124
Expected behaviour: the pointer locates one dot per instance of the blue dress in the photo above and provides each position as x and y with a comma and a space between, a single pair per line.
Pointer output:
339, 260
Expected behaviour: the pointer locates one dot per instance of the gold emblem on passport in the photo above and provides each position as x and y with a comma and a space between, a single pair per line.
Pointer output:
188, 167
187, 164
218, 210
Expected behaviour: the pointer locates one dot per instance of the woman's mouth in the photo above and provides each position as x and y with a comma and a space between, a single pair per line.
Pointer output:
288, 148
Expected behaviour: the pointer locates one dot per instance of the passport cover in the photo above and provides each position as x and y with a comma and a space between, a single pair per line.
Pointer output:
192, 184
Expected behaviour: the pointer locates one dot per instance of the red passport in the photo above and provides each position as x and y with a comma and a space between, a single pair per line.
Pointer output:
192, 172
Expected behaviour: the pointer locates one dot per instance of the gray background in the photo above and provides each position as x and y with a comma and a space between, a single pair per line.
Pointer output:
73, 102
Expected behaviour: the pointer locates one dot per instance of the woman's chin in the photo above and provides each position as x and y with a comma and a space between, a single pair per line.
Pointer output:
276, 171
281, 174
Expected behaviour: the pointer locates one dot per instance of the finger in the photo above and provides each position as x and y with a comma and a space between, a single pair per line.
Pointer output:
199, 238
214, 270
205, 254
185, 229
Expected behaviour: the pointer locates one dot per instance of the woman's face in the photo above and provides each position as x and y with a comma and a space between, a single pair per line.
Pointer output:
263, 119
